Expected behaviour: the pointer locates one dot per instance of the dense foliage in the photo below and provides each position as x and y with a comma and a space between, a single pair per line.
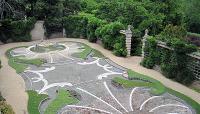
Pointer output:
167, 20
173, 59
18, 30
4, 107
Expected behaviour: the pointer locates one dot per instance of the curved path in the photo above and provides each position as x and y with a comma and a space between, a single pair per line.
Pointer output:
12, 85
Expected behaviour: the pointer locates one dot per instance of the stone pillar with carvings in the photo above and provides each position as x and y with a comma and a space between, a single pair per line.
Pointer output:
128, 34
144, 42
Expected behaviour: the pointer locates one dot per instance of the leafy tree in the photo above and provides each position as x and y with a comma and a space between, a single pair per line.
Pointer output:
192, 15
32, 4
10, 9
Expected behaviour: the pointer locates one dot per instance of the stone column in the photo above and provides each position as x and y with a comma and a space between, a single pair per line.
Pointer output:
128, 34
144, 41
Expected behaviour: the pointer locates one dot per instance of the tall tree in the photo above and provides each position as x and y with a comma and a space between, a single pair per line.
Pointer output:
10, 9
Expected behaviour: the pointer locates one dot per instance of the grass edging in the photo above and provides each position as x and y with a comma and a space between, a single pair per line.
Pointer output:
63, 98
87, 50
20, 63
34, 101
158, 86
188, 100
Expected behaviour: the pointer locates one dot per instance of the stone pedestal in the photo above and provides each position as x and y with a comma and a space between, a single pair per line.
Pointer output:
128, 34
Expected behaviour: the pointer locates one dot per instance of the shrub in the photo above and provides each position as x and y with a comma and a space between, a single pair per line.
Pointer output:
5, 108
172, 32
17, 30
120, 48
21, 29
110, 33
93, 24
151, 49
53, 25
5, 30
136, 44
75, 26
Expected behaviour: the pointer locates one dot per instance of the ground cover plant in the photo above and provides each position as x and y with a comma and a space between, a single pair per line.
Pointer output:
172, 60
63, 98
157, 88
139, 80
42, 49
88, 50
190, 101
21, 63
34, 101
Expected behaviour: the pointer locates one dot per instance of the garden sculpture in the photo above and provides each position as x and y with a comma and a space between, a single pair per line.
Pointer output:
128, 34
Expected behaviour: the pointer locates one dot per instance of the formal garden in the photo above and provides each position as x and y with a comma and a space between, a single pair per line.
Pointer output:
73, 77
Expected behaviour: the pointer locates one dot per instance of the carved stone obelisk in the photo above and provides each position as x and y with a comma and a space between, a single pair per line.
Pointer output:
128, 34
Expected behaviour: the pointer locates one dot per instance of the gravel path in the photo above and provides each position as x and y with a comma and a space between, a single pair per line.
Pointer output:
12, 85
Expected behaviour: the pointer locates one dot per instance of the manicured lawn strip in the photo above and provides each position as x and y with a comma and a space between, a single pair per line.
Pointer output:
63, 98
87, 51
134, 83
130, 83
36, 62
42, 49
83, 55
97, 53
34, 101
187, 99
20, 63
17, 66
157, 87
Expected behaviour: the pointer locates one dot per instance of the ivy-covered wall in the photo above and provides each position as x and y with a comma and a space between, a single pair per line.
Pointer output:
173, 60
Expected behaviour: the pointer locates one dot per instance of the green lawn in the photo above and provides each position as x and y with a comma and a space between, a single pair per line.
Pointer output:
63, 98
34, 101
191, 102
42, 49
17, 66
21, 63
157, 88
140, 80
87, 51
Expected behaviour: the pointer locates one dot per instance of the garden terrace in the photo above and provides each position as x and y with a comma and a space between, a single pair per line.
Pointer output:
88, 87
